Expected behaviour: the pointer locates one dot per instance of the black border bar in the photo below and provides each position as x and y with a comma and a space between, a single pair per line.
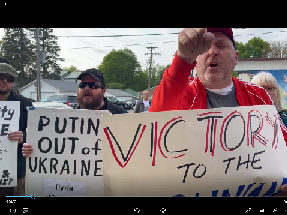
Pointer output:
144, 205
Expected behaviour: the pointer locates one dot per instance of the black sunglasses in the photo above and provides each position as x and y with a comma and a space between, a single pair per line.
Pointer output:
9, 79
92, 85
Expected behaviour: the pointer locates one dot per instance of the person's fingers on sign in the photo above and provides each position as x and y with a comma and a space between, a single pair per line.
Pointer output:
27, 149
16, 135
283, 189
193, 42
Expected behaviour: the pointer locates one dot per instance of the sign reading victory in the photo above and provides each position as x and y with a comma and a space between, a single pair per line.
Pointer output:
217, 152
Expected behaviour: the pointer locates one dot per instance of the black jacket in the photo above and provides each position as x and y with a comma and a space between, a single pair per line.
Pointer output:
114, 109
24, 103
140, 106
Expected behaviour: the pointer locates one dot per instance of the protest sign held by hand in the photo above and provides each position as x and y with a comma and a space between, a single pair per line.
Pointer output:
193, 42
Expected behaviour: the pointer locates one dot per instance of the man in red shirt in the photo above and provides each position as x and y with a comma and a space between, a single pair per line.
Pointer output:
212, 52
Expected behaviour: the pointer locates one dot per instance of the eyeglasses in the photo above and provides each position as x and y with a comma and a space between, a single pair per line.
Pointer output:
269, 88
92, 85
9, 79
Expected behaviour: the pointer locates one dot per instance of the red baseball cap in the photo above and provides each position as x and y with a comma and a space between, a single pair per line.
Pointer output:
227, 31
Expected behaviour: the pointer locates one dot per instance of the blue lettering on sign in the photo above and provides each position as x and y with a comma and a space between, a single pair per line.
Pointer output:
254, 193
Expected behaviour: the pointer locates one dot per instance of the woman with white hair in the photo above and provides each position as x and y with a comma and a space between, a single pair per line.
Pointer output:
270, 84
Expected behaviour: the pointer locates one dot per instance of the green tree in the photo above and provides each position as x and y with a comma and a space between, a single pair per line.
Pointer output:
234, 74
121, 66
1, 43
49, 45
156, 74
70, 69
141, 81
19, 50
278, 49
254, 48
160, 74
115, 86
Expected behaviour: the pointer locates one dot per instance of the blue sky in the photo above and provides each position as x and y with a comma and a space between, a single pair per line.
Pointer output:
86, 58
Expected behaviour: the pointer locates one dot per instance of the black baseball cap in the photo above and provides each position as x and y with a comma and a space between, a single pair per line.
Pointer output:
97, 74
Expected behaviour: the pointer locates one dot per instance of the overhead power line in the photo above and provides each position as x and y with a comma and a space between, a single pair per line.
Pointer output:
123, 35
129, 41
140, 35
86, 42
80, 55
173, 41
89, 47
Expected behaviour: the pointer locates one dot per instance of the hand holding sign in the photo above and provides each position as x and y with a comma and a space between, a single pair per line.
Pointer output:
193, 42
27, 149
283, 189
16, 135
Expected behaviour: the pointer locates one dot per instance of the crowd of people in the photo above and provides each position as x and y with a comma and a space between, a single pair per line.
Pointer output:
211, 51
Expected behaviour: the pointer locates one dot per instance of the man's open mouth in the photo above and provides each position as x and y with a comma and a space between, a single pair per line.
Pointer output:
213, 65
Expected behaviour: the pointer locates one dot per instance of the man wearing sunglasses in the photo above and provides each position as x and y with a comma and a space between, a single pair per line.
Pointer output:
91, 93
7, 78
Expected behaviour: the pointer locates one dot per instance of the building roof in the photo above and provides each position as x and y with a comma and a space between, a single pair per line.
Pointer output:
132, 92
118, 93
63, 73
263, 59
72, 75
64, 86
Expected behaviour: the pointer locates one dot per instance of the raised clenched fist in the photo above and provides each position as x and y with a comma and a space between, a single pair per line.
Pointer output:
193, 42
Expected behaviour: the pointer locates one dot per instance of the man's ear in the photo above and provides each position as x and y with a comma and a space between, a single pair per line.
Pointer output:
104, 90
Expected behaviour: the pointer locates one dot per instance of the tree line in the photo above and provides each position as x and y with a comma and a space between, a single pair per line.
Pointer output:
258, 48
18, 46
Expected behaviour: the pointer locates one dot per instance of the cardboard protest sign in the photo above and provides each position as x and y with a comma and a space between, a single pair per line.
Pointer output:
67, 158
9, 122
217, 152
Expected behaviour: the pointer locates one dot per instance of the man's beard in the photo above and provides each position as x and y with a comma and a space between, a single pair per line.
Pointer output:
4, 92
93, 105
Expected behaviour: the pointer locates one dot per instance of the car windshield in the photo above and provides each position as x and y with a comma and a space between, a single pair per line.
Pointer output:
44, 99
121, 100
112, 99
72, 99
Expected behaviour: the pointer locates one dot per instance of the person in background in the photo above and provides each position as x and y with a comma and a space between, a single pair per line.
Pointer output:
90, 96
212, 52
143, 105
7, 77
270, 84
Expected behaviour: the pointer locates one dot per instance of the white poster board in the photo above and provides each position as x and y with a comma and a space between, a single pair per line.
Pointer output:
9, 121
67, 157
217, 152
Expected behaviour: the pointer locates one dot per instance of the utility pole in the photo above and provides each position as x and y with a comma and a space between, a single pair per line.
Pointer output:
150, 62
38, 65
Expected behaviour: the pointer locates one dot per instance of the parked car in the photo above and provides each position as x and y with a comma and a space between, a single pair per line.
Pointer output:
51, 105
132, 103
61, 98
120, 102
